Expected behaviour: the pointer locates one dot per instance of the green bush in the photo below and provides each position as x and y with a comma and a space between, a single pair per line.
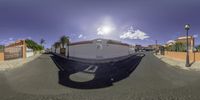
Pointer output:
33, 45
1, 48
178, 47
198, 48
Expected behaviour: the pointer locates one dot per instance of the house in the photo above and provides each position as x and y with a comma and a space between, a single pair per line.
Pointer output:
154, 46
183, 39
16, 50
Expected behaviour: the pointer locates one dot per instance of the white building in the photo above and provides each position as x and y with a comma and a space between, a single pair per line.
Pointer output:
99, 49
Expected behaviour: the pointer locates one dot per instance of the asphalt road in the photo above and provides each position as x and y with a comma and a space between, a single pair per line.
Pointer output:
149, 79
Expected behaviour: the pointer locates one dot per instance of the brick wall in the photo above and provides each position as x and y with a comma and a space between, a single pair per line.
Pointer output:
194, 56
1, 56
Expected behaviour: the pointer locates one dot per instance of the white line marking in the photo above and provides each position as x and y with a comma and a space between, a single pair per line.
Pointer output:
91, 69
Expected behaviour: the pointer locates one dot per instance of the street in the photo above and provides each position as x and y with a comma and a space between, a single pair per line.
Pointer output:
133, 78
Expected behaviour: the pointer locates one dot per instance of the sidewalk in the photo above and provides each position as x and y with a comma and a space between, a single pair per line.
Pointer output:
179, 64
11, 64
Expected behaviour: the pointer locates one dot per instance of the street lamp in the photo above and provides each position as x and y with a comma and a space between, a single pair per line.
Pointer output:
156, 47
68, 44
187, 27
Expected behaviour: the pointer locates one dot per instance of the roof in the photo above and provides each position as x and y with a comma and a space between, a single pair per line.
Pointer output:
117, 42
184, 37
108, 41
16, 43
81, 42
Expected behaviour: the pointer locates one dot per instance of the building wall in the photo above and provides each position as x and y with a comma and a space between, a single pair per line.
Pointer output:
53, 49
29, 52
58, 50
193, 56
1, 56
190, 42
93, 50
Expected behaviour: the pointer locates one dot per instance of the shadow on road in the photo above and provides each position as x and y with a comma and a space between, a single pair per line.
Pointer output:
105, 75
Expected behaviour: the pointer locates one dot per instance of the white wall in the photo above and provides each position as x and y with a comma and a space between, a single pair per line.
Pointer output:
105, 51
83, 51
52, 49
58, 50
29, 52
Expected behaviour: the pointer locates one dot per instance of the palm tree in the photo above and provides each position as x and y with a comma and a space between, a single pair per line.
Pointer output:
56, 45
65, 40
198, 47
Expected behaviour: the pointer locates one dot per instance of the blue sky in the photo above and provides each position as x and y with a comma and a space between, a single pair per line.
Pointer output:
151, 20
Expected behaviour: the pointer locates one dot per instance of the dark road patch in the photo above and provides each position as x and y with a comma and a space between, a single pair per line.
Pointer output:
105, 73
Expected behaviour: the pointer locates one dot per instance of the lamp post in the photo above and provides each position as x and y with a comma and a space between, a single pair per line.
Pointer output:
156, 47
68, 50
187, 27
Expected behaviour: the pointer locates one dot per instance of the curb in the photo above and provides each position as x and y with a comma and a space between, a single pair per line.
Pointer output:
177, 64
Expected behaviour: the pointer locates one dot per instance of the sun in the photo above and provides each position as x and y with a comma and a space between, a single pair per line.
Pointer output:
104, 30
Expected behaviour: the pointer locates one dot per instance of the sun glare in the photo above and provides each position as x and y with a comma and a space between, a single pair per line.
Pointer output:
104, 30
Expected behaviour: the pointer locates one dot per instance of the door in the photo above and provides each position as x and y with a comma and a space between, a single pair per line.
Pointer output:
99, 49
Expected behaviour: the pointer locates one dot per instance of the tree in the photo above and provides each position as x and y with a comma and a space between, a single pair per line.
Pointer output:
178, 47
1, 48
56, 45
64, 40
198, 47
33, 45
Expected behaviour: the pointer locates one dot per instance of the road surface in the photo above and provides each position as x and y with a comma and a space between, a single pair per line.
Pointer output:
150, 79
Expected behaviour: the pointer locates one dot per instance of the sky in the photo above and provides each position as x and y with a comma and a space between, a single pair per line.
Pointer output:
130, 21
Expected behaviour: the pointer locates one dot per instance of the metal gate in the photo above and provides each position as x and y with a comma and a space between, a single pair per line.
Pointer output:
13, 52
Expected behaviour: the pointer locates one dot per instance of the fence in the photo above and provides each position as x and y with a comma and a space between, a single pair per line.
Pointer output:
13, 53
14, 50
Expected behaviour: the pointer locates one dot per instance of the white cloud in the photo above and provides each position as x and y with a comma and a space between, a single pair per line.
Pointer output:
7, 41
195, 35
134, 34
104, 30
99, 31
2, 42
171, 41
10, 38
80, 36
